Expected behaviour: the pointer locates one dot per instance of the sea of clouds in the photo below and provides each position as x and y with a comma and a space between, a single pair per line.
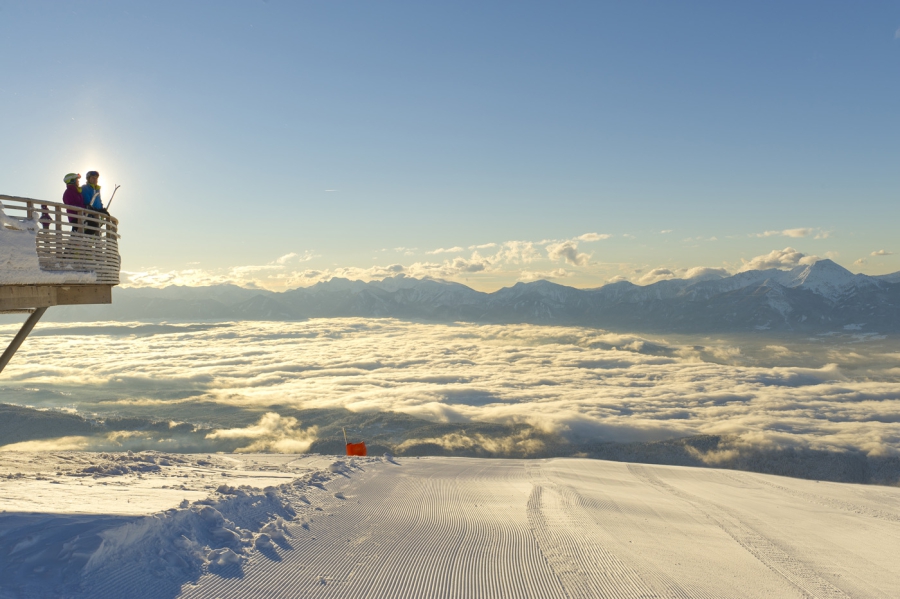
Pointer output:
834, 393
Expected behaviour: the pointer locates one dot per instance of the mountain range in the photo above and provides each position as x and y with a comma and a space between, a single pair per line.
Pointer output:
818, 297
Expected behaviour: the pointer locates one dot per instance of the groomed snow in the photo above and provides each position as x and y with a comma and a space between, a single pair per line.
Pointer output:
315, 526
19, 260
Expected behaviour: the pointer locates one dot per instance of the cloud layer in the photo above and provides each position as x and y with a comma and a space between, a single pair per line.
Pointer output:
587, 260
799, 232
272, 434
581, 383
786, 258
508, 259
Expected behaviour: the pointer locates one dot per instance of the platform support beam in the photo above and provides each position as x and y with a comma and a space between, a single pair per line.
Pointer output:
20, 337
15, 297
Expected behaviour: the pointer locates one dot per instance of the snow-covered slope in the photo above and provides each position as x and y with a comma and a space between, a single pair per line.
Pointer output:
827, 279
443, 527
824, 278
893, 277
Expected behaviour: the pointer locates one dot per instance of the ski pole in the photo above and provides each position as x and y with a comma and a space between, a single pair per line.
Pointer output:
345, 435
108, 204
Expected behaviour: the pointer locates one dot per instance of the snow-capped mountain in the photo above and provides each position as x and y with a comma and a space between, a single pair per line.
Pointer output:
812, 298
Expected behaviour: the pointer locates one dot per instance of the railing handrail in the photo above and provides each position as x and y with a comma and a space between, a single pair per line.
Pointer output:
68, 238
87, 211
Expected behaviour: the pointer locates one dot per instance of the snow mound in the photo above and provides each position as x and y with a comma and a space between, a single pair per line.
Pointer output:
98, 555
183, 543
128, 463
19, 260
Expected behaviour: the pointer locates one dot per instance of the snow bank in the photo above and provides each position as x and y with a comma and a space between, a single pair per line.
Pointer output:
19, 259
182, 543
128, 463
216, 535
99, 554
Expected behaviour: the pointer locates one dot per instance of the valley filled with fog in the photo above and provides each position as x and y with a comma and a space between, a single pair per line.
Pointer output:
801, 405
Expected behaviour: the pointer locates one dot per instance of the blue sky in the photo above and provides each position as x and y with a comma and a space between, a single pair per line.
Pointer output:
279, 143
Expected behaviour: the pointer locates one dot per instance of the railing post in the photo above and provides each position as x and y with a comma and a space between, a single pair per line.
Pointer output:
57, 241
29, 210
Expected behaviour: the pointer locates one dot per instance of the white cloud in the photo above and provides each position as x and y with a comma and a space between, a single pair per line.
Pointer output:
568, 252
287, 258
517, 252
520, 443
283, 272
273, 433
796, 233
705, 272
579, 382
779, 350
474, 264
666, 231
559, 273
501, 262
698, 273
860, 262
310, 276
656, 275
273, 274
593, 236
448, 269
802, 232
786, 258
882, 253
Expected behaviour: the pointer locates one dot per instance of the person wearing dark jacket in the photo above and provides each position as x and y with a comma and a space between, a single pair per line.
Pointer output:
72, 197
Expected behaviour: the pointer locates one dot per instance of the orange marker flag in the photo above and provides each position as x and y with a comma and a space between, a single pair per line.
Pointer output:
354, 448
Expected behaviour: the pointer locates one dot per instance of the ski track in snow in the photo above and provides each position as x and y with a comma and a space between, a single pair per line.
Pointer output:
576, 537
823, 500
807, 581
459, 527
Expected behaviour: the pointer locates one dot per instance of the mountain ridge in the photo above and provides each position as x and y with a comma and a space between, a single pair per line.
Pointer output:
818, 297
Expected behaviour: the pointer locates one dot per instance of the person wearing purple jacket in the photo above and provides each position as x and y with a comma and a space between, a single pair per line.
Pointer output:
72, 197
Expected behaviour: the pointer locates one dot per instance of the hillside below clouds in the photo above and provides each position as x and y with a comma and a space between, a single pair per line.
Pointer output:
817, 298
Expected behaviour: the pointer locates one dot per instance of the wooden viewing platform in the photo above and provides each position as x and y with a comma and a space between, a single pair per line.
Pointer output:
77, 253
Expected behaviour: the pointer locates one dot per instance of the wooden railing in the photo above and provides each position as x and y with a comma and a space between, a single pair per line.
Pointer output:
67, 237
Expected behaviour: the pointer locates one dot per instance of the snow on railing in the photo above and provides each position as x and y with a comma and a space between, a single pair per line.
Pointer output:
66, 237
